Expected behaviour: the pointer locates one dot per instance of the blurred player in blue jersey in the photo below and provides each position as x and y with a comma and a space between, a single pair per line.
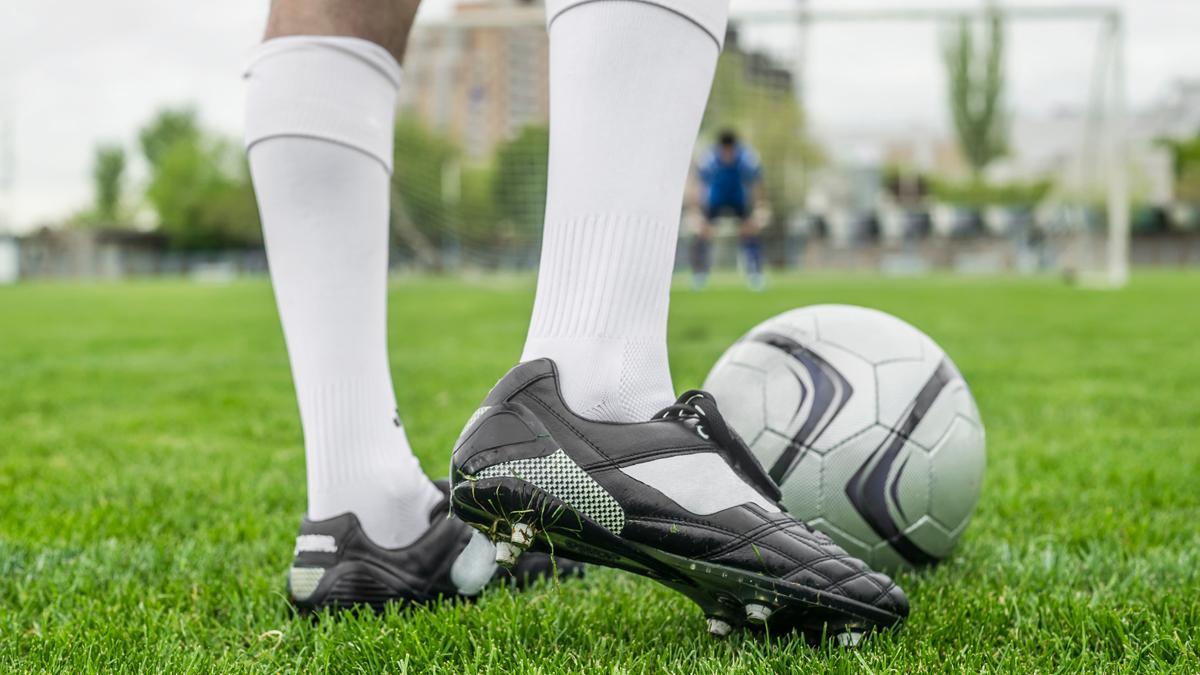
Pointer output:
731, 178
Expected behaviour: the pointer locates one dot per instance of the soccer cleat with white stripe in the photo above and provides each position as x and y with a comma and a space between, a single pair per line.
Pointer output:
337, 565
679, 499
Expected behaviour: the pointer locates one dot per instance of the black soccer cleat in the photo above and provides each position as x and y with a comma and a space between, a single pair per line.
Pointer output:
337, 565
679, 499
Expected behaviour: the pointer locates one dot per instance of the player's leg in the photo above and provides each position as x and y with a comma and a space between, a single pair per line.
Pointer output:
320, 99
385, 23
669, 493
321, 95
628, 84
750, 239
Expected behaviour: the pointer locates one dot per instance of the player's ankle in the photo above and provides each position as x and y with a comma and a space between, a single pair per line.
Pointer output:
608, 379
393, 511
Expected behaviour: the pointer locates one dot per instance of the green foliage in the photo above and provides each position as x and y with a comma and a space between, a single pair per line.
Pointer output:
168, 127
519, 180
108, 175
1185, 162
760, 105
976, 92
200, 189
978, 193
152, 477
479, 212
422, 160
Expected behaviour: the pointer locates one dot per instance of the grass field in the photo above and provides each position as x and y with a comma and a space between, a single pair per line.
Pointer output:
151, 479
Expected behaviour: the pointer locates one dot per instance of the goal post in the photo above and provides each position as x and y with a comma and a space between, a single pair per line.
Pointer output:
1098, 262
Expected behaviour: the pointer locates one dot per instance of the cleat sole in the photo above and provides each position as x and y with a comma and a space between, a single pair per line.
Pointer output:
719, 590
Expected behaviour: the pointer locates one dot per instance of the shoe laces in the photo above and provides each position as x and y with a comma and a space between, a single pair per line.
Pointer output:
700, 406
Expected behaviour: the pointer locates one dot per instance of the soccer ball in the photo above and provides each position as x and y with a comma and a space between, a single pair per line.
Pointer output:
866, 425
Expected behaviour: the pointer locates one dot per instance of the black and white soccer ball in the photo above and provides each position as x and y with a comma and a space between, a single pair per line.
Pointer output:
866, 425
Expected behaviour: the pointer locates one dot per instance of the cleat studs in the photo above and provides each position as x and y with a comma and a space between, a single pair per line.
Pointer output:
756, 613
718, 627
522, 535
849, 639
506, 554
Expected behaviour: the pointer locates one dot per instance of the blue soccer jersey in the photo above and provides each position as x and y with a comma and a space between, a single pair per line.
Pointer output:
728, 185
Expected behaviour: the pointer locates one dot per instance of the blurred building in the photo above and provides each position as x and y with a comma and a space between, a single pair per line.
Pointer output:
481, 75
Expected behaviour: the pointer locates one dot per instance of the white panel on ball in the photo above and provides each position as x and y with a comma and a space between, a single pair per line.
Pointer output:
866, 424
872, 335
954, 401
958, 473
745, 412
858, 411
898, 383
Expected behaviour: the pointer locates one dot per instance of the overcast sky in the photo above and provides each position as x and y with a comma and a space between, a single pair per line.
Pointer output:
77, 72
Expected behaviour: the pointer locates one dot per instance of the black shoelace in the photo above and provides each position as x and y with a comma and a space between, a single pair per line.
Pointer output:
710, 425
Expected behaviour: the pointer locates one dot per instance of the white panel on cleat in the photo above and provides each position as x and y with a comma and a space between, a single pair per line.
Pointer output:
560, 476
702, 483
304, 580
315, 543
474, 567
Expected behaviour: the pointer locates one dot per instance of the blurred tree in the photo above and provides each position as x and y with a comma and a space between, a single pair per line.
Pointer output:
424, 204
168, 127
108, 177
519, 182
1185, 164
976, 92
978, 193
200, 189
478, 204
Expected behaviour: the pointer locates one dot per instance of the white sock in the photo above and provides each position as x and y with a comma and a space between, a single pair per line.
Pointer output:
628, 83
319, 115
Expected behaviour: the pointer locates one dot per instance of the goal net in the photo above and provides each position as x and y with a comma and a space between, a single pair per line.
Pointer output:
881, 184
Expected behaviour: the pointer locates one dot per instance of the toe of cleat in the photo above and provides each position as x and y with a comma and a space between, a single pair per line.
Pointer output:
757, 614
